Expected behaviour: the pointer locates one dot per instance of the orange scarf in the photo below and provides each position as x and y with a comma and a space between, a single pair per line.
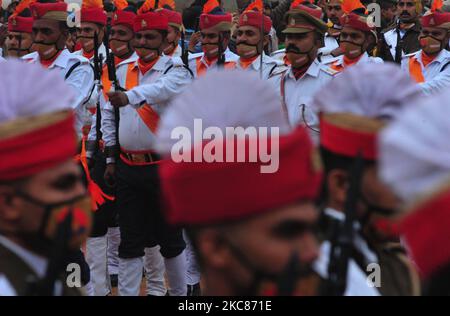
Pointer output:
144, 67
148, 115
118, 60
351, 62
427, 59
88, 55
202, 68
246, 62
415, 70
46, 63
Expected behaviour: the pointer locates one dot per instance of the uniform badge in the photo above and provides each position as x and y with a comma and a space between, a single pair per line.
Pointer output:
144, 23
432, 21
245, 18
206, 20
13, 21
115, 17
292, 21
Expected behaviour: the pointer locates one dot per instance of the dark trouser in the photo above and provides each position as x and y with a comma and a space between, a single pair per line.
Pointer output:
141, 220
106, 214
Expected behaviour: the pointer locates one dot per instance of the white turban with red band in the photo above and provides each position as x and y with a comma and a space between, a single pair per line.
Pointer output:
415, 163
351, 118
36, 127
199, 193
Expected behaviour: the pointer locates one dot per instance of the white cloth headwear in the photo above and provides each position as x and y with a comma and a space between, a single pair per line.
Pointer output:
371, 90
415, 149
30, 90
222, 99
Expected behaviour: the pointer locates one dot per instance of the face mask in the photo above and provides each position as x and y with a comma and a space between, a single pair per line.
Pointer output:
430, 45
294, 279
169, 49
54, 215
45, 50
210, 50
378, 224
87, 43
19, 51
297, 57
120, 48
147, 54
350, 49
246, 50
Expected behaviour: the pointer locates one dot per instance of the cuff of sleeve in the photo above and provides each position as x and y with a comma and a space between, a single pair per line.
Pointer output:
133, 99
110, 160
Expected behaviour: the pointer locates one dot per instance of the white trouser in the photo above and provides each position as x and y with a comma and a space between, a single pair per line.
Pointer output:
193, 269
176, 274
113, 249
154, 271
97, 261
130, 276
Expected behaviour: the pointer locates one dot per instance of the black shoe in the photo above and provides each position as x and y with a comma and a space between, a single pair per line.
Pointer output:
194, 290
114, 280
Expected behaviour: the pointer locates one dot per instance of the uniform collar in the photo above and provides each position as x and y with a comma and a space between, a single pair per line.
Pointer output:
132, 59
37, 263
266, 60
159, 66
62, 60
312, 71
364, 58
442, 57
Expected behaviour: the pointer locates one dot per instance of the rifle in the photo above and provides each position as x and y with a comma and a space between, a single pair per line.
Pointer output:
112, 77
342, 243
221, 57
46, 286
98, 70
184, 51
399, 47
262, 46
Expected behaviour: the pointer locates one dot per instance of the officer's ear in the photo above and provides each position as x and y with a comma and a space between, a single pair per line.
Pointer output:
9, 212
212, 248
337, 184
266, 40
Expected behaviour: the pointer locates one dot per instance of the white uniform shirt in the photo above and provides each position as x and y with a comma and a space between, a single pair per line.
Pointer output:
155, 89
269, 66
298, 94
229, 57
121, 69
436, 73
365, 59
81, 80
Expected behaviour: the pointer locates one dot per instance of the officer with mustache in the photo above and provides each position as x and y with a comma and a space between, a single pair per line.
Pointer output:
19, 42
50, 32
305, 75
250, 43
402, 37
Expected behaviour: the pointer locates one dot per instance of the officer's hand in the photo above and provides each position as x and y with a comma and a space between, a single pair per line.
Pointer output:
110, 175
118, 98
195, 38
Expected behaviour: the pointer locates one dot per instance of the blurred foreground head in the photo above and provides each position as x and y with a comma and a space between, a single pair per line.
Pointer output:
243, 183
40, 184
